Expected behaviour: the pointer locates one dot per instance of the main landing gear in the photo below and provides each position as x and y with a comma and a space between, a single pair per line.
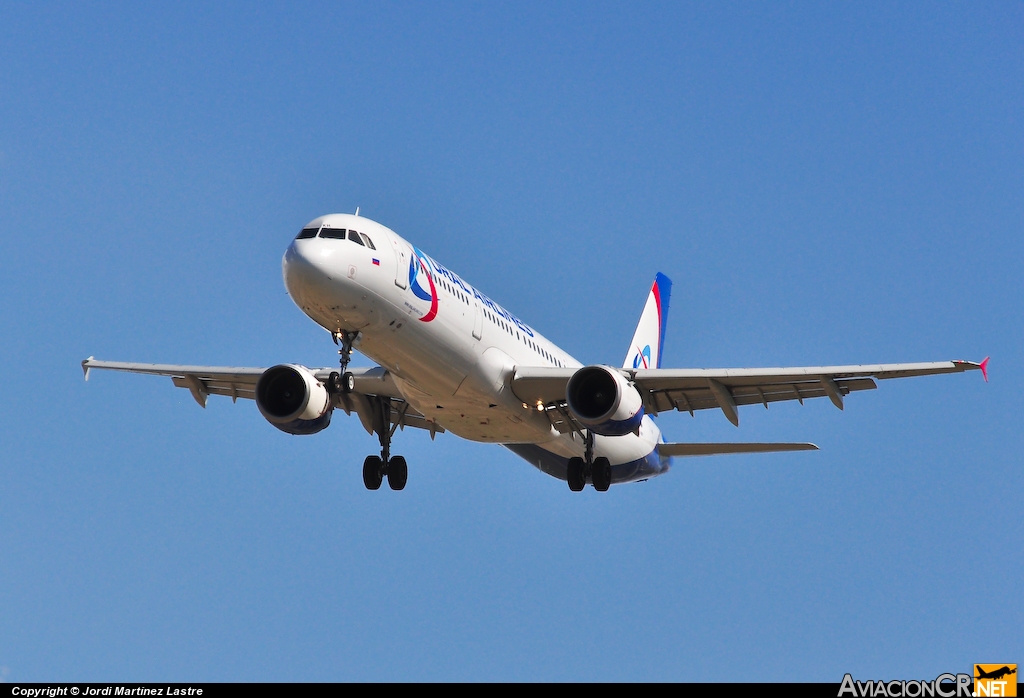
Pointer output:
376, 468
599, 470
374, 471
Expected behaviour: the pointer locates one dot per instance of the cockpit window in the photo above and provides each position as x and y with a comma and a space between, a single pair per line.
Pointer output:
336, 234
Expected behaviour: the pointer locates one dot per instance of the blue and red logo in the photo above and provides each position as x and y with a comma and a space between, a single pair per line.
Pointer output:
642, 357
418, 264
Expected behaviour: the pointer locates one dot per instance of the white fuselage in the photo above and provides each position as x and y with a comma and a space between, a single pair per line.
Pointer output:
451, 350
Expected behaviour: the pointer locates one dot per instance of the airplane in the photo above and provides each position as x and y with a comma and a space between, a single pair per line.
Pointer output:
449, 358
996, 674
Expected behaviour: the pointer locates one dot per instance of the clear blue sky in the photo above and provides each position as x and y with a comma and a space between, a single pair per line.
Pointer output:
824, 184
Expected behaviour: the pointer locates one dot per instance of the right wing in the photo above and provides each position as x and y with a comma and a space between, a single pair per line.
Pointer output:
690, 389
726, 389
373, 387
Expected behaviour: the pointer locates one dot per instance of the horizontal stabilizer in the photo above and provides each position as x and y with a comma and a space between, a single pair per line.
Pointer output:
718, 449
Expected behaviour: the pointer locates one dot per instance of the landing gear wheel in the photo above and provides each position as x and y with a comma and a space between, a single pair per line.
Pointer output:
398, 473
334, 382
348, 382
574, 474
373, 473
601, 474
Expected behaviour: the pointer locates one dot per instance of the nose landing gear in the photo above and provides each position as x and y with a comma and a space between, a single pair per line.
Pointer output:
341, 382
344, 382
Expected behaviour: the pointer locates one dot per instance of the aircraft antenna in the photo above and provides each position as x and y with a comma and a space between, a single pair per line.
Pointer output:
357, 210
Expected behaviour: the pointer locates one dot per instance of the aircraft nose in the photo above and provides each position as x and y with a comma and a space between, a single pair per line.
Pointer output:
306, 267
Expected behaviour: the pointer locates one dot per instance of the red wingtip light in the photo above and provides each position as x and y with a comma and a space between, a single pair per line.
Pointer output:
984, 368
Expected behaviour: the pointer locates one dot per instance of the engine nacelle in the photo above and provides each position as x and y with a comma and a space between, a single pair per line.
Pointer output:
602, 400
293, 400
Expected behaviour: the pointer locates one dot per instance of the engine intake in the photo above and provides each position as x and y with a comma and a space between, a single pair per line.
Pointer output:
293, 400
601, 399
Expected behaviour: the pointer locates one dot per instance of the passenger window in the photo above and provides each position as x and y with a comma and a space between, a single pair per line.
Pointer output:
333, 233
354, 237
367, 240
307, 233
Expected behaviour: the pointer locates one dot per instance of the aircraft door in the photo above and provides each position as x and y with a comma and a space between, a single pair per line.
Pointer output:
478, 319
401, 263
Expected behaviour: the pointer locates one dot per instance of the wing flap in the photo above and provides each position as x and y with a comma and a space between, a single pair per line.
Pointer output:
702, 398
200, 387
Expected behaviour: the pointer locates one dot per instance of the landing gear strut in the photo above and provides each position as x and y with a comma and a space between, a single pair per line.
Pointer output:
375, 468
344, 382
599, 470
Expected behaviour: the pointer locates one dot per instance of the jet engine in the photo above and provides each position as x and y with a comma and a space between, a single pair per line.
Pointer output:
293, 400
602, 400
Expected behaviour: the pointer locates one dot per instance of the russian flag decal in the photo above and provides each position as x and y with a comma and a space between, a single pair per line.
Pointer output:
376, 262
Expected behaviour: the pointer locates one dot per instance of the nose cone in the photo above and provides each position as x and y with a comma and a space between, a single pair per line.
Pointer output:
307, 270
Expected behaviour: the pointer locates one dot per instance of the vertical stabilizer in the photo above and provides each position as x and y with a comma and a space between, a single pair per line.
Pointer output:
649, 338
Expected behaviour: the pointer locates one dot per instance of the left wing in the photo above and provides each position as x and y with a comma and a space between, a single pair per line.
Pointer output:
373, 387
690, 389
233, 381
